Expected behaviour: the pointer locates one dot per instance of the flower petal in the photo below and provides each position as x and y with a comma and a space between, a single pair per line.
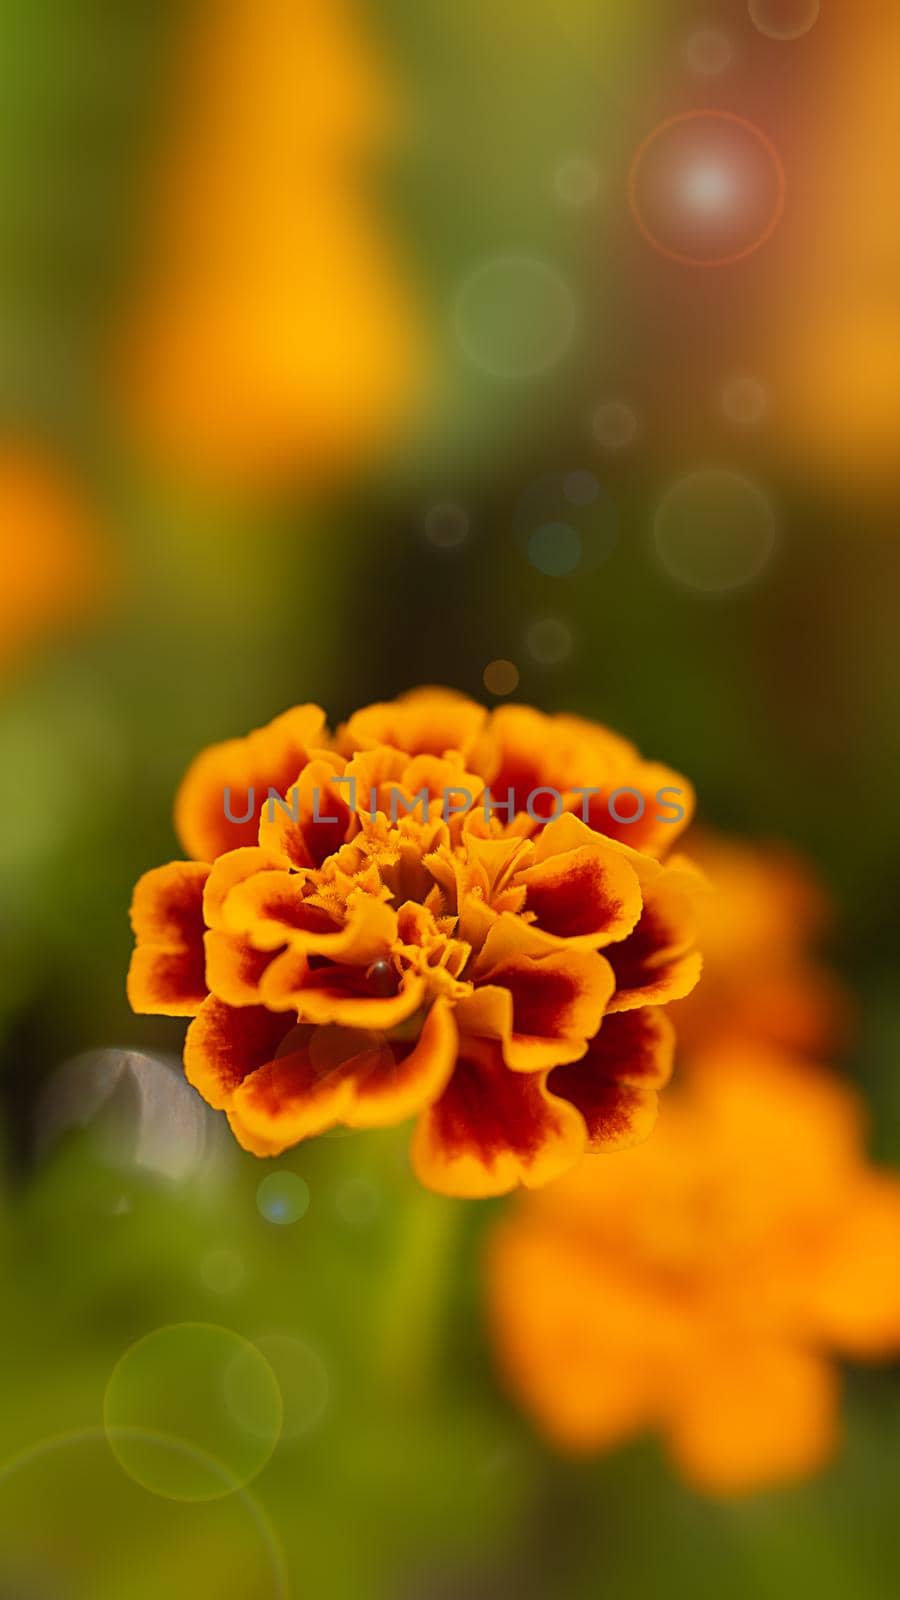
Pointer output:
167, 971
854, 1298
295, 1097
628, 809
657, 962
224, 1044
315, 819
492, 1129
234, 969
614, 1086
270, 757
424, 722
337, 1074
745, 1416
405, 1077
343, 995
570, 1337
230, 870
590, 896
558, 996
275, 908
569, 754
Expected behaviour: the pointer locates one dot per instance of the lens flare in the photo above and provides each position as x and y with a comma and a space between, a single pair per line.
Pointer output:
707, 188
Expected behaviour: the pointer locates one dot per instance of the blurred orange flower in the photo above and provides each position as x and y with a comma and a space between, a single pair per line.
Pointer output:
271, 334
835, 335
759, 926
385, 943
53, 565
701, 1285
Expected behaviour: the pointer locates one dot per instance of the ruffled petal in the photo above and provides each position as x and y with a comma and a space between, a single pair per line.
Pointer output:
424, 722
303, 1093
492, 1129
558, 997
406, 1076
588, 896
270, 757
274, 909
315, 819
234, 970
230, 870
570, 755
658, 962
614, 1086
224, 1044
647, 807
342, 1075
167, 971
347, 996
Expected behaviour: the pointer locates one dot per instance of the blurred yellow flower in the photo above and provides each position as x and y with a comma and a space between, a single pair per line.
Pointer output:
701, 1285
53, 564
410, 918
272, 334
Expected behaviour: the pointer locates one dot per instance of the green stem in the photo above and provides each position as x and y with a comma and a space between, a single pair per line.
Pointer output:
410, 1329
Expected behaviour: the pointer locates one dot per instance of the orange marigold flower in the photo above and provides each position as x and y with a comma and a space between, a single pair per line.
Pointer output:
759, 925
271, 333
700, 1285
401, 925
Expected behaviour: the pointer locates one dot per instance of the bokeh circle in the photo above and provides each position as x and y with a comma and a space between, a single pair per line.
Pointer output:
577, 181
566, 522
69, 1514
614, 425
501, 677
549, 641
282, 1198
514, 316
197, 1386
714, 530
707, 188
784, 19
745, 400
446, 525
708, 52
303, 1379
